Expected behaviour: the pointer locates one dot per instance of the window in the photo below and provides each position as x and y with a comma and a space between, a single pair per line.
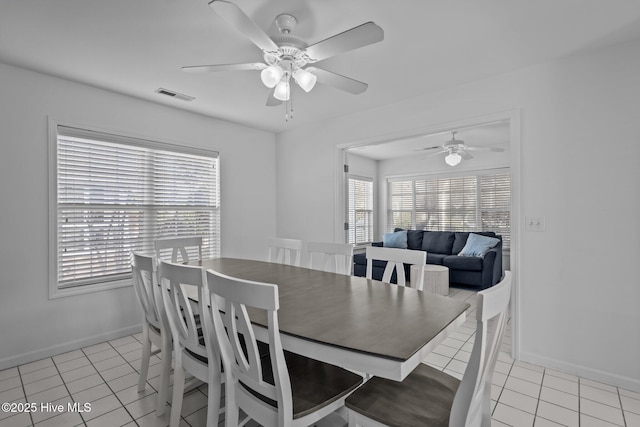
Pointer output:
116, 194
359, 226
480, 202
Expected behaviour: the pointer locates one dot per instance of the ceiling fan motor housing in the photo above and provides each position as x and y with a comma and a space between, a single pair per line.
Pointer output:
286, 23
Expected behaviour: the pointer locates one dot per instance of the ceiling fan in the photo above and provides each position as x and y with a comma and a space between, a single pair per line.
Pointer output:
286, 56
457, 150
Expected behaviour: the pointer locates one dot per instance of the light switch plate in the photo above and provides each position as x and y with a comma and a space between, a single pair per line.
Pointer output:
534, 223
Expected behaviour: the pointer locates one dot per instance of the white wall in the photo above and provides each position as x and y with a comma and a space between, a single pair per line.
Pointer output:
578, 284
31, 325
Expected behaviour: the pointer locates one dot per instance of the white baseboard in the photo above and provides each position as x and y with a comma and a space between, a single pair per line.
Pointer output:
583, 371
32, 356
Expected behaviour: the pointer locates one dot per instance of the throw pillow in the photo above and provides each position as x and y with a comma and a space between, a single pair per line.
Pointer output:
478, 245
395, 240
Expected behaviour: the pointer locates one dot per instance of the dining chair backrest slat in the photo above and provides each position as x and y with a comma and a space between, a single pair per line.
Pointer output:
179, 247
396, 258
284, 251
331, 257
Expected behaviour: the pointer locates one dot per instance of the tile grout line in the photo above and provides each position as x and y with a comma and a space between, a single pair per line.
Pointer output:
24, 390
107, 384
624, 418
544, 373
67, 388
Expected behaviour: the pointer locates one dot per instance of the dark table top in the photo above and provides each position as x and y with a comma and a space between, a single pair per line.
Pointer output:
351, 312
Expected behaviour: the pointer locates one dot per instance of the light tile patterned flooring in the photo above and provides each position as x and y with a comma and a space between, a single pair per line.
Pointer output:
106, 375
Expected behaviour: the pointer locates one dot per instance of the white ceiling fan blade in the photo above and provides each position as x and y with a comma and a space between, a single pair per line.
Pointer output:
435, 154
272, 101
338, 81
429, 148
495, 149
243, 24
360, 36
465, 154
225, 67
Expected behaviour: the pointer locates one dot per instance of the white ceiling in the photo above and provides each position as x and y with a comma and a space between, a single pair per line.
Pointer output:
135, 47
494, 134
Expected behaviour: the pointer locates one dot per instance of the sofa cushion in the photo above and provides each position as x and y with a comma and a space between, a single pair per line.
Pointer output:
478, 245
467, 263
461, 239
361, 259
414, 239
436, 258
439, 242
397, 239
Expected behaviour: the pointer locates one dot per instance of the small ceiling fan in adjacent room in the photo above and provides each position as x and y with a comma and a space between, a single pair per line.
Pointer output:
287, 57
456, 150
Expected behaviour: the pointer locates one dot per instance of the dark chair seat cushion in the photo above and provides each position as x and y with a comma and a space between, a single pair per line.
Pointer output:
466, 263
314, 384
423, 399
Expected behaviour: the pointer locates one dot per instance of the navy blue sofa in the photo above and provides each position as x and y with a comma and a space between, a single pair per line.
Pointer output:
442, 248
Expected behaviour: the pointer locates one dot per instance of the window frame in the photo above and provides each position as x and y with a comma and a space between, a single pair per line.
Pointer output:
55, 290
462, 174
347, 230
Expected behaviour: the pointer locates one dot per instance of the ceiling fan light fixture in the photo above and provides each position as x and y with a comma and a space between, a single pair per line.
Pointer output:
271, 75
282, 91
305, 79
453, 159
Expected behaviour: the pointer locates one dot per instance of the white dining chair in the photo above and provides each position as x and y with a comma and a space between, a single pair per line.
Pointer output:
431, 398
281, 389
155, 327
396, 258
284, 251
168, 248
331, 257
194, 350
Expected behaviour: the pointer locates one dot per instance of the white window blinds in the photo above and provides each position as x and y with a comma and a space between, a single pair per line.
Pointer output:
479, 202
360, 210
117, 194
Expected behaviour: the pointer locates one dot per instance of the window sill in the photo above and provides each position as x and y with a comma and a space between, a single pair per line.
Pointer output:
56, 292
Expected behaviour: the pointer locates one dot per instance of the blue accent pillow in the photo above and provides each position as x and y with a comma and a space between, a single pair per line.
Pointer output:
478, 245
397, 239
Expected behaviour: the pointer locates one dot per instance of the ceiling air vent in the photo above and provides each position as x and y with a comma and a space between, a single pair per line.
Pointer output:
175, 95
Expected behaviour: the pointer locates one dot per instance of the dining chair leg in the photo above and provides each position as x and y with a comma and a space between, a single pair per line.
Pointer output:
178, 391
486, 405
232, 413
146, 354
214, 396
165, 354
352, 419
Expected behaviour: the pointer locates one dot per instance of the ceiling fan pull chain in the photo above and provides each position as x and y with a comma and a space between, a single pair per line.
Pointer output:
290, 103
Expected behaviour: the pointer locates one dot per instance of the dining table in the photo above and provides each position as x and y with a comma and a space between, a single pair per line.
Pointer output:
359, 324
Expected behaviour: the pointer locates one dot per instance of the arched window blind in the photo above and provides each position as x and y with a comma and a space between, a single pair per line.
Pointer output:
116, 194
